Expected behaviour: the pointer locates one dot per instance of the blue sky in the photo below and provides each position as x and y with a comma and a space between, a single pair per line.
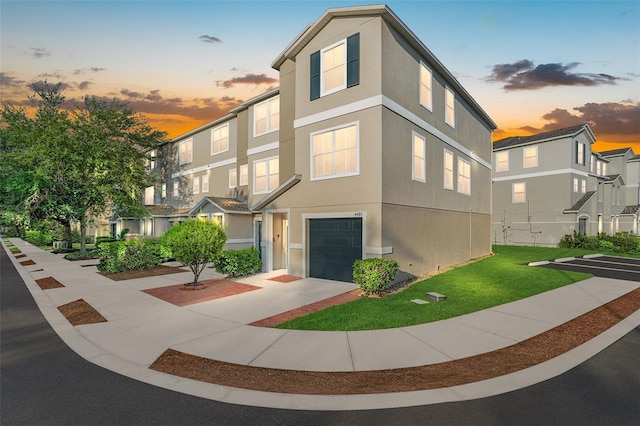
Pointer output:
533, 66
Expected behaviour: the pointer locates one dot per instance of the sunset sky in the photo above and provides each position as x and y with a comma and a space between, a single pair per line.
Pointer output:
532, 65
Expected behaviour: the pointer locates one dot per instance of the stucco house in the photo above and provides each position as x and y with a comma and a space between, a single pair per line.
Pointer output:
369, 147
553, 183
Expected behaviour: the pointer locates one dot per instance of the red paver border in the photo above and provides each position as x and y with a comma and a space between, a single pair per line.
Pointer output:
307, 309
215, 289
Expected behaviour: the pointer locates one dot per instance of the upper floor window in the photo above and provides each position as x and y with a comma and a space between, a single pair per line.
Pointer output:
164, 190
244, 174
196, 184
575, 184
176, 188
426, 99
233, 178
185, 153
152, 159
599, 168
464, 176
450, 112
448, 169
502, 161
530, 156
583, 187
266, 175
519, 192
149, 193
205, 183
335, 67
592, 167
266, 116
220, 139
335, 153
580, 154
419, 171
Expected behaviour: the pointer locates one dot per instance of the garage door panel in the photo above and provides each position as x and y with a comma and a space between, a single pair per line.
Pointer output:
334, 244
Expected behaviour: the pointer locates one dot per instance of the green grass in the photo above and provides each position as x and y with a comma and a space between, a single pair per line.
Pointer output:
492, 281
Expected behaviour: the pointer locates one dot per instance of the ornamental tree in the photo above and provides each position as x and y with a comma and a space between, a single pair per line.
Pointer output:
195, 243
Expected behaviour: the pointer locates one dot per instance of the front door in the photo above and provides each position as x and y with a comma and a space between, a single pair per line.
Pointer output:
280, 233
582, 226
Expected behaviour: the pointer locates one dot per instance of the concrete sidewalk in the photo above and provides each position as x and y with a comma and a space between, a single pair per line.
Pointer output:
140, 328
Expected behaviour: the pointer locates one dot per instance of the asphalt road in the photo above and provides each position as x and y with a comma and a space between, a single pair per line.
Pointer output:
43, 382
620, 268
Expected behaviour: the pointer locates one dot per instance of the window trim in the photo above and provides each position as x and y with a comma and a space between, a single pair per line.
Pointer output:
445, 170
268, 130
343, 86
461, 177
450, 92
266, 160
163, 190
180, 144
576, 185
313, 177
415, 135
524, 192
233, 178
195, 182
583, 186
524, 157
429, 104
228, 137
505, 153
205, 179
244, 182
176, 188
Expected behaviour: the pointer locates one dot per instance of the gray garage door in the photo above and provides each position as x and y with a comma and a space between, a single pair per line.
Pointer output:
333, 246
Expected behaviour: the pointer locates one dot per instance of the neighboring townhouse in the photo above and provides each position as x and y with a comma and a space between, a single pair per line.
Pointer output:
552, 184
370, 147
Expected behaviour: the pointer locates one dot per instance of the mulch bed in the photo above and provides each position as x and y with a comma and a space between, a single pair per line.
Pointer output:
285, 278
522, 355
48, 283
80, 312
129, 275
28, 263
18, 256
180, 295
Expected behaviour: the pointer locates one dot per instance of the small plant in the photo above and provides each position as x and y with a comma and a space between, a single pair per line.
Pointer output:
81, 255
195, 243
239, 263
374, 275
39, 238
132, 255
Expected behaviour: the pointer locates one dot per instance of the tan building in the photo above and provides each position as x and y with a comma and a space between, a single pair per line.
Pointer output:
369, 148
552, 184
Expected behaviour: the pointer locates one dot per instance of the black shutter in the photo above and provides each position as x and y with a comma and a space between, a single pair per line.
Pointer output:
353, 60
315, 75
577, 159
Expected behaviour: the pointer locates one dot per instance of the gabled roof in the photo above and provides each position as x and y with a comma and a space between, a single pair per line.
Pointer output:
580, 203
382, 10
276, 193
613, 178
542, 137
225, 205
160, 210
631, 210
616, 152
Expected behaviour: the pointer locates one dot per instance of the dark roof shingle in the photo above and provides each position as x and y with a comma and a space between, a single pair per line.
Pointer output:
581, 202
615, 152
523, 140
630, 210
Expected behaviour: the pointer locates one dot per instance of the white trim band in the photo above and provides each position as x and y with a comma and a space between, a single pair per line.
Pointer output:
263, 148
206, 167
541, 174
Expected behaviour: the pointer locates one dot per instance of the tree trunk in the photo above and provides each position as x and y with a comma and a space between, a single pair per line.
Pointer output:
67, 234
83, 235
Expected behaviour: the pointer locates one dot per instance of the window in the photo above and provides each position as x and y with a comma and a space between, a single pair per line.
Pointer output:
575, 184
530, 156
233, 178
176, 188
599, 168
418, 168
450, 113
244, 174
220, 139
334, 153
164, 190
152, 159
592, 168
519, 192
448, 169
464, 176
218, 217
205, 183
604, 168
335, 67
266, 116
196, 184
583, 187
502, 161
148, 195
580, 154
184, 151
426, 79
266, 175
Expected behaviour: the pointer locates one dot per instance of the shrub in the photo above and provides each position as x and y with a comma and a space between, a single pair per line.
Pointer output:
605, 245
374, 275
239, 263
195, 243
39, 238
81, 255
100, 240
132, 255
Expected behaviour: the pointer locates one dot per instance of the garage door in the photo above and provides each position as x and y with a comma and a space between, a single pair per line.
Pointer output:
333, 246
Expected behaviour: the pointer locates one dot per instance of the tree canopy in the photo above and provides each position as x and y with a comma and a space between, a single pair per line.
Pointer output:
69, 163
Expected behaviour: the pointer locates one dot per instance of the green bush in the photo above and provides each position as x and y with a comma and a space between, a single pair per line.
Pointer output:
620, 243
39, 238
374, 275
606, 245
100, 240
81, 255
132, 255
239, 263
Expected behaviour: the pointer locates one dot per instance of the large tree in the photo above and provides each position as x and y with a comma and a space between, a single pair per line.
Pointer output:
82, 161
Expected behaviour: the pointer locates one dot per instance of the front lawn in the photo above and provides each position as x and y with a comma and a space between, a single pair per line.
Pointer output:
492, 281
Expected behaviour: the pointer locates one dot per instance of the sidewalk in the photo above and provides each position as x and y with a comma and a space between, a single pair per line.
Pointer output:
141, 327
